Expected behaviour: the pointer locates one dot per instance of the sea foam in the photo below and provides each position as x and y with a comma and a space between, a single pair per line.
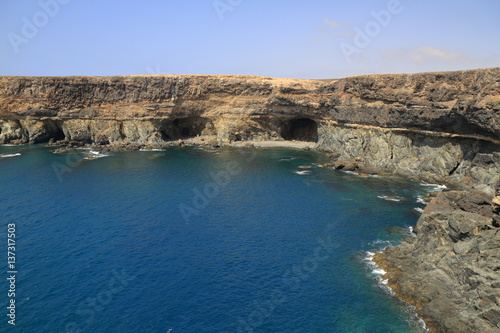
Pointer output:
436, 187
10, 155
302, 172
390, 198
93, 154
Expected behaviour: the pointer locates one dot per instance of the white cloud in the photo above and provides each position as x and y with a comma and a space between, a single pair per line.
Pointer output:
332, 24
425, 54
347, 34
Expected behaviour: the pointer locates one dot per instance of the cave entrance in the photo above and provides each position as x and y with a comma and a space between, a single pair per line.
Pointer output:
300, 129
183, 128
50, 130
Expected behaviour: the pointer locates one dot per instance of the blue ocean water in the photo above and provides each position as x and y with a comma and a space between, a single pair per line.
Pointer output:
198, 240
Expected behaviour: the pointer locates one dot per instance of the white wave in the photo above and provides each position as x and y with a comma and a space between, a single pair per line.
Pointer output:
10, 155
411, 232
384, 283
379, 271
389, 198
375, 176
287, 159
302, 172
350, 172
369, 259
154, 149
93, 154
419, 210
422, 323
379, 241
436, 187
421, 200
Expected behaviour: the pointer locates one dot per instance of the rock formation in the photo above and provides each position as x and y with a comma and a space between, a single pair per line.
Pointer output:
442, 126
451, 270
437, 127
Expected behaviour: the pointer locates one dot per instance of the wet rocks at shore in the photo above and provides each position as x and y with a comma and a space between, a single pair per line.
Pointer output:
451, 271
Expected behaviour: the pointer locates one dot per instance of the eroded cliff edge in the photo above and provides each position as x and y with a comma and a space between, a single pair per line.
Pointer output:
437, 127
443, 127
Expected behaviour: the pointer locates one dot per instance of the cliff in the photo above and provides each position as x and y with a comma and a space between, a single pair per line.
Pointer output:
442, 126
464, 102
451, 270
437, 127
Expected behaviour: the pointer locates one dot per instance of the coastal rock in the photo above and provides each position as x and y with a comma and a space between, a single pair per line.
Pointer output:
415, 155
495, 202
451, 270
344, 165
435, 127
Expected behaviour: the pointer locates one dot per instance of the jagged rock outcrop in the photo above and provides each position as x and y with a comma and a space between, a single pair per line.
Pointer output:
451, 270
465, 162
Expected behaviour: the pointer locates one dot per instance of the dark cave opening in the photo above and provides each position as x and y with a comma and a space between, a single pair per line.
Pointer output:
183, 128
51, 130
58, 133
300, 129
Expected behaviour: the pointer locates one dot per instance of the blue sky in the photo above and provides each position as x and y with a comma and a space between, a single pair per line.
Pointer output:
280, 38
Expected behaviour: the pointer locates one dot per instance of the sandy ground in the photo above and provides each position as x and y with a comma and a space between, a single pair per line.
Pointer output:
208, 141
277, 144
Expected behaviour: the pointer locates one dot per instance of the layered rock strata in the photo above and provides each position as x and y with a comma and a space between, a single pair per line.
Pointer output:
436, 127
442, 126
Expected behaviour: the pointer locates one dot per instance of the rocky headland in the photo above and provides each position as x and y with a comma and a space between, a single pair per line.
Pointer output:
434, 127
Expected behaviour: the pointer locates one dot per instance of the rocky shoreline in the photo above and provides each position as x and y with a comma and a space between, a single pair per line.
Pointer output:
433, 127
450, 271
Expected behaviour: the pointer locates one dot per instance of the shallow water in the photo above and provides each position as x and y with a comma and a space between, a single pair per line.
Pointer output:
189, 240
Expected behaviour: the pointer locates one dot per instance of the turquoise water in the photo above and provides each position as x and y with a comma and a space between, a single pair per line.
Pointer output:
194, 240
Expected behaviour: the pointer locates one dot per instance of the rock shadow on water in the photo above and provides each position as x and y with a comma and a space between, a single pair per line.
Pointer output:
157, 156
364, 210
337, 185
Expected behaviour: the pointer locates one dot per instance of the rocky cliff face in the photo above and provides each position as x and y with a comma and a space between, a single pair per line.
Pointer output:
438, 127
451, 270
443, 126
464, 102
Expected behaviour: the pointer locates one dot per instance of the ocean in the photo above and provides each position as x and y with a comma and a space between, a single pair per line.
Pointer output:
198, 240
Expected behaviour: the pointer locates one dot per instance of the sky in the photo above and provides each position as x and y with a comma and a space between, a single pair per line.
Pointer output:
306, 39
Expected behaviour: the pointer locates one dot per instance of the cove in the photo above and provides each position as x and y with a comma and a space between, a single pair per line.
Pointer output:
275, 242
